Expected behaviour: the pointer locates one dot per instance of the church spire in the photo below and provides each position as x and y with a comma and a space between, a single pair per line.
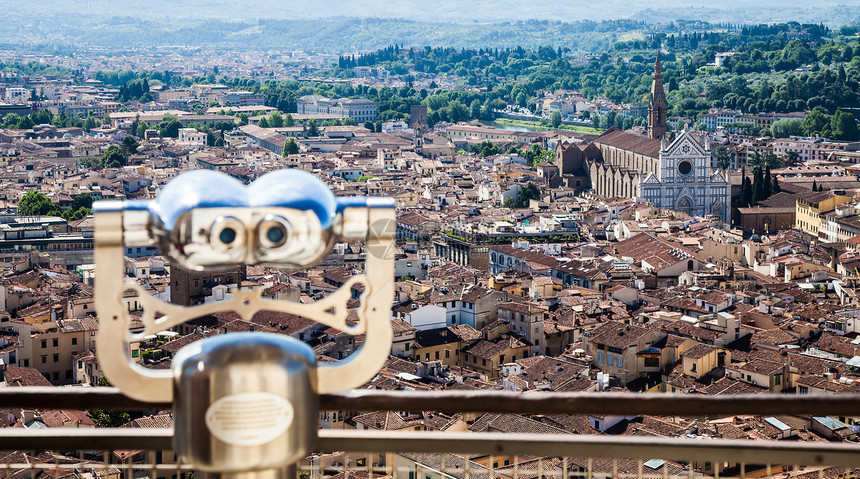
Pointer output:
657, 104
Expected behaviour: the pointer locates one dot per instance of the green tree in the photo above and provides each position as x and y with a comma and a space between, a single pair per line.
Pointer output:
276, 120
475, 109
76, 214
113, 157
815, 123
746, 190
556, 119
313, 128
90, 123
107, 418
35, 203
528, 192
89, 163
766, 182
722, 156
843, 126
457, 111
129, 145
786, 128
169, 127
83, 200
289, 121
814, 186
263, 123
141, 130
521, 99
758, 185
291, 147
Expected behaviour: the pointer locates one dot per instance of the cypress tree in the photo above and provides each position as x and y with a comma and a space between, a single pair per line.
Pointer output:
767, 182
814, 186
758, 185
747, 199
774, 187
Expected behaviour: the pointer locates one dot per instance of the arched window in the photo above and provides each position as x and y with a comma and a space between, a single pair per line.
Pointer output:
689, 265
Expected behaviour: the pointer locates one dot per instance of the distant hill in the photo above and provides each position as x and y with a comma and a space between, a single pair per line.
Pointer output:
459, 11
339, 26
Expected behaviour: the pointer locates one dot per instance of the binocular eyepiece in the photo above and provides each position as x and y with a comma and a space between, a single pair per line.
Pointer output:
206, 220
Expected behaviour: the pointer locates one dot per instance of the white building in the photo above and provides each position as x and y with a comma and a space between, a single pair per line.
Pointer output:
16, 94
359, 109
686, 181
807, 149
191, 136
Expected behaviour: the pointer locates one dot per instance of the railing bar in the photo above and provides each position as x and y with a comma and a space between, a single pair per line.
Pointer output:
590, 467
834, 454
716, 466
346, 464
639, 469
564, 473
759, 452
615, 467
743, 470
47, 397
153, 474
589, 403
480, 401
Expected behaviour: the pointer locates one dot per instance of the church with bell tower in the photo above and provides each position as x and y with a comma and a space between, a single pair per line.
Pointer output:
674, 174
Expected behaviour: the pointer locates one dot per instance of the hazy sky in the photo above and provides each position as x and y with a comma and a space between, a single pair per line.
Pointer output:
436, 10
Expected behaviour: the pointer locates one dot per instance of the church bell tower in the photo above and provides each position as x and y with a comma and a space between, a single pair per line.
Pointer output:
657, 104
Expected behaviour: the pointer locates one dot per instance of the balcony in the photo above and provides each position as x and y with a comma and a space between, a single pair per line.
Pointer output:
141, 452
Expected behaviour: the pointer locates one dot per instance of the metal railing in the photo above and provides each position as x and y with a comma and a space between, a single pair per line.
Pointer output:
409, 454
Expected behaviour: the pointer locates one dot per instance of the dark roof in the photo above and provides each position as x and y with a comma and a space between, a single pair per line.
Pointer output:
630, 142
780, 200
618, 335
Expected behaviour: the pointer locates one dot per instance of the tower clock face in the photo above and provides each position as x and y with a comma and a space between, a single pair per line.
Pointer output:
685, 167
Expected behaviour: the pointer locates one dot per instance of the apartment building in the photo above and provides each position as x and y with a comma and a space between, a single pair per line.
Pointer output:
613, 347
810, 149
811, 208
358, 109
50, 347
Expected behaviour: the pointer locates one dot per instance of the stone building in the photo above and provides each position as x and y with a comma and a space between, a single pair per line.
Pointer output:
674, 174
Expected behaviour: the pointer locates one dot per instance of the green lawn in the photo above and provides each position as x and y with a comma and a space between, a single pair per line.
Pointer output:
537, 124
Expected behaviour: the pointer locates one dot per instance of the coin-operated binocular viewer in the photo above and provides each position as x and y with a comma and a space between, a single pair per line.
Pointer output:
244, 404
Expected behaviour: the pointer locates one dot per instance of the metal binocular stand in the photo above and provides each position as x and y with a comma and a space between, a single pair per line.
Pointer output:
246, 404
